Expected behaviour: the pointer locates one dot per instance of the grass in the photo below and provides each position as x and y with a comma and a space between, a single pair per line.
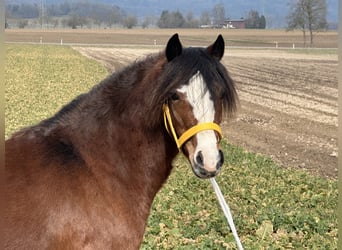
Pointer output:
273, 207
313, 51
249, 42
40, 79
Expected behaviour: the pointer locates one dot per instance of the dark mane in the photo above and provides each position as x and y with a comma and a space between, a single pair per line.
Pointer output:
139, 90
129, 89
143, 87
71, 106
120, 94
181, 69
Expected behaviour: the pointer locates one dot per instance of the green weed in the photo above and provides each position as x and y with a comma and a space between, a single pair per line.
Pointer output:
39, 80
273, 207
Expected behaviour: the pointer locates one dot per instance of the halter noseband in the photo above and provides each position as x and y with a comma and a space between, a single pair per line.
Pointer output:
190, 132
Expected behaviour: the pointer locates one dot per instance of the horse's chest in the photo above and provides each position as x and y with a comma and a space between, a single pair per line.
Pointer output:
93, 227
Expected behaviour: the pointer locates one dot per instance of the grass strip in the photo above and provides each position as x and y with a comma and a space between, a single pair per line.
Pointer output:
39, 80
272, 207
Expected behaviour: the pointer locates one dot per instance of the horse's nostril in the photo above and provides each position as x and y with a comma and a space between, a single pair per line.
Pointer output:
199, 158
221, 159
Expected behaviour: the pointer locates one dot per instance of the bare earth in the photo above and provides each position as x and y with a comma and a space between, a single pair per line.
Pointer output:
288, 103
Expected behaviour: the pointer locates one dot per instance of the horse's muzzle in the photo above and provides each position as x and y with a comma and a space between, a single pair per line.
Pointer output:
203, 168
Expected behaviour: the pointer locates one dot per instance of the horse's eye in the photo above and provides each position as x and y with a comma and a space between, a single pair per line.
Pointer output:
174, 97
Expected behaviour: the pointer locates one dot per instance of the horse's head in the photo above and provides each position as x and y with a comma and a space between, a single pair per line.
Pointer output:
199, 88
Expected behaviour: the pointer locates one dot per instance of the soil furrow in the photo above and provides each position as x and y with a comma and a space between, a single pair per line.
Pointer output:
327, 99
288, 104
292, 100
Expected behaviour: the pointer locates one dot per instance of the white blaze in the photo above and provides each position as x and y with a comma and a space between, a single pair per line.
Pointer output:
203, 107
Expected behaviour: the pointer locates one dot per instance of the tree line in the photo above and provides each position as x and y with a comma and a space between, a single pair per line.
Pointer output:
80, 14
309, 16
68, 14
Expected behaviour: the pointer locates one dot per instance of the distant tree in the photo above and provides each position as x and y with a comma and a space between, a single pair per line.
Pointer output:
205, 18
116, 14
64, 22
6, 17
191, 21
55, 22
262, 22
98, 22
22, 23
83, 21
296, 19
164, 19
307, 15
130, 21
74, 21
148, 20
254, 21
171, 20
177, 19
145, 24
219, 14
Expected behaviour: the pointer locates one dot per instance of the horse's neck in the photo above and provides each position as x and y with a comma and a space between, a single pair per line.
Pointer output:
122, 151
114, 140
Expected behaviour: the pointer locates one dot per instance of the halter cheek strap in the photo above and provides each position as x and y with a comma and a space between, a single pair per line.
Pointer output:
190, 132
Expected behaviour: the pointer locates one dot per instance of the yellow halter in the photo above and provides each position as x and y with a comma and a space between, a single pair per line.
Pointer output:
190, 132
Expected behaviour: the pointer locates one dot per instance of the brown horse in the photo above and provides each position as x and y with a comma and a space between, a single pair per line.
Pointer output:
86, 177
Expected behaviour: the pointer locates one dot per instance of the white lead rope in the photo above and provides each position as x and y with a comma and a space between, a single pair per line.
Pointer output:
226, 211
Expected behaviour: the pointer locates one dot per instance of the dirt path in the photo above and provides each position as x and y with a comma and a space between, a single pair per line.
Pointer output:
288, 103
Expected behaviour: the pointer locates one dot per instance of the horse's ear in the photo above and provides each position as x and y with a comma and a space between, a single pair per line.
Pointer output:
217, 48
173, 48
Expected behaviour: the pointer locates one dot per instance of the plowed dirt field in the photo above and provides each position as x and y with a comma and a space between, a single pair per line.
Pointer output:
288, 103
